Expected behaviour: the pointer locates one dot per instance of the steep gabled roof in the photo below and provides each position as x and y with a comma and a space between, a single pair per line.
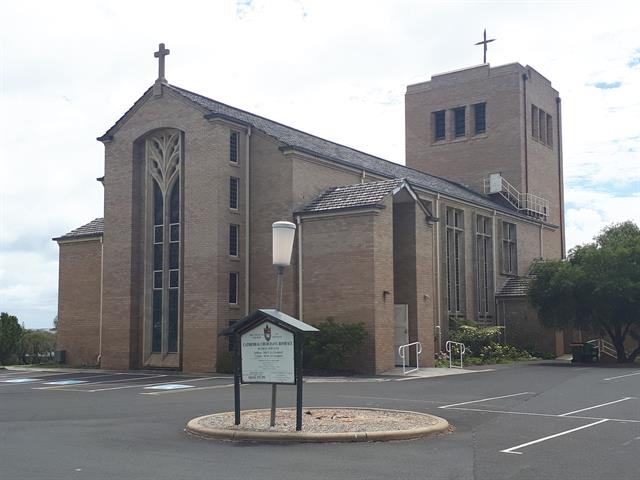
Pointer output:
298, 140
94, 228
305, 142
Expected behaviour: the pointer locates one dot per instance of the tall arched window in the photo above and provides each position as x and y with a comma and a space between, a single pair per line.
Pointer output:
163, 158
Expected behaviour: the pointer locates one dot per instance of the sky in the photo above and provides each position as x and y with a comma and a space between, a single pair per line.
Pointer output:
337, 69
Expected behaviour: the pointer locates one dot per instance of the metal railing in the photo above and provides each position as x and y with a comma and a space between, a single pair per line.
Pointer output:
528, 203
403, 350
604, 347
450, 346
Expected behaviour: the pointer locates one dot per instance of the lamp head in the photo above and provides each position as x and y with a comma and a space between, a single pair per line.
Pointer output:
283, 236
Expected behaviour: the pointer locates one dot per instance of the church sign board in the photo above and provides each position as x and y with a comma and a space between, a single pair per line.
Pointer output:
267, 355
268, 350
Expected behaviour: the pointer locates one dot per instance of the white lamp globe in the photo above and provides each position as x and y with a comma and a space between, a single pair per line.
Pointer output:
283, 236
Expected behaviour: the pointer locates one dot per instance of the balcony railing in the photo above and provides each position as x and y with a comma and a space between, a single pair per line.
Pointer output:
526, 203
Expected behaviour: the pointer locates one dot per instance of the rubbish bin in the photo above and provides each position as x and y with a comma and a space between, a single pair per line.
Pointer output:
590, 353
577, 351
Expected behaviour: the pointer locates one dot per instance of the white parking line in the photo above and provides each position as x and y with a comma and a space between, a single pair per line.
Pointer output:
566, 432
623, 376
486, 399
550, 415
596, 406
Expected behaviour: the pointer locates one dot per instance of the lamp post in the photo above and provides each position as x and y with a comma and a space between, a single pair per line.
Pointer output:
283, 236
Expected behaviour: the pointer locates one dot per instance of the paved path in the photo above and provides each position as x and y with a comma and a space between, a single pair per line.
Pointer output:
525, 421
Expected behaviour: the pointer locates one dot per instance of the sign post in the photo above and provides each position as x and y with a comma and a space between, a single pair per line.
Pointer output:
268, 350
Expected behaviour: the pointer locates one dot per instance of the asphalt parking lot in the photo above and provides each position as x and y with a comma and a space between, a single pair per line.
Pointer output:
524, 421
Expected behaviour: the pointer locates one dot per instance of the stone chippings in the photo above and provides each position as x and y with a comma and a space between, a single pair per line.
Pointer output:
322, 420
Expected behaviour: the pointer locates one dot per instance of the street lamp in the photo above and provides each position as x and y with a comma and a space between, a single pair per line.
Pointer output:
283, 235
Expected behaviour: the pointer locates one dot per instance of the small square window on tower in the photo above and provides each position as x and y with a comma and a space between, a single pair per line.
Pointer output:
459, 128
479, 117
234, 141
439, 132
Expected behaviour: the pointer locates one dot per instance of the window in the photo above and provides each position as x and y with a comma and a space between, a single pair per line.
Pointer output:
233, 240
484, 270
479, 116
163, 152
231, 344
233, 192
439, 132
459, 121
543, 126
455, 266
509, 250
234, 138
233, 288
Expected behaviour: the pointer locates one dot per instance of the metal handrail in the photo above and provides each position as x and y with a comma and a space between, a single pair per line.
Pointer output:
448, 347
604, 347
527, 202
401, 351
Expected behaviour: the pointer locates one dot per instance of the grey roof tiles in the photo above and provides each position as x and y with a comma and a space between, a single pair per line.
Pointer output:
94, 228
369, 194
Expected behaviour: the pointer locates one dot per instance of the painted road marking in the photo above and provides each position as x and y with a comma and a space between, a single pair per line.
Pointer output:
168, 386
118, 380
566, 432
65, 382
487, 399
150, 384
21, 380
549, 415
596, 406
623, 376
189, 390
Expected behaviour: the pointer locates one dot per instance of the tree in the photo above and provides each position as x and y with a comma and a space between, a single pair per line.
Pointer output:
36, 344
597, 288
10, 337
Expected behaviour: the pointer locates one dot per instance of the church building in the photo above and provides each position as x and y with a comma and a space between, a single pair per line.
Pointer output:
192, 186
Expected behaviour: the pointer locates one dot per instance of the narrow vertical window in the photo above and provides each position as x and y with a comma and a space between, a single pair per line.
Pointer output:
549, 130
233, 288
459, 121
543, 126
233, 192
484, 276
158, 271
454, 257
163, 158
233, 240
233, 146
231, 344
439, 132
535, 119
479, 117
509, 249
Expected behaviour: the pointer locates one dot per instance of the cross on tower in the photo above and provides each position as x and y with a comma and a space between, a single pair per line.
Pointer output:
160, 54
484, 42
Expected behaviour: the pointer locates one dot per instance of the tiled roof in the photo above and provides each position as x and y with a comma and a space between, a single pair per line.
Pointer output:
515, 287
300, 140
361, 195
94, 228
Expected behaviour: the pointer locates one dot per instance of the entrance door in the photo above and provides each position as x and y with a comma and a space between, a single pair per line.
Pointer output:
401, 313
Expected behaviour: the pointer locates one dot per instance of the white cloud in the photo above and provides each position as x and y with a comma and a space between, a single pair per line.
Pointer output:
337, 69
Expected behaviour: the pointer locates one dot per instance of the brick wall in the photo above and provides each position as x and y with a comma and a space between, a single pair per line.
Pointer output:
79, 301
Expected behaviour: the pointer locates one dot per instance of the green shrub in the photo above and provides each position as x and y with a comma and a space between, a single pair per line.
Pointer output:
497, 352
332, 349
475, 338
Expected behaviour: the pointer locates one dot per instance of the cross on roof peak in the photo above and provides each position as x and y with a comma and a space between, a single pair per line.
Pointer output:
484, 42
160, 54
